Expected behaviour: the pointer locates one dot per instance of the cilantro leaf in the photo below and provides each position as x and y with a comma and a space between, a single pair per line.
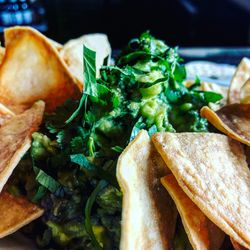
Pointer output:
89, 62
212, 96
90, 85
46, 180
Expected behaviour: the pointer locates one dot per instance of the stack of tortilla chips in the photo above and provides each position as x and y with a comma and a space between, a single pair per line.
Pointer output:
36, 74
206, 175
202, 176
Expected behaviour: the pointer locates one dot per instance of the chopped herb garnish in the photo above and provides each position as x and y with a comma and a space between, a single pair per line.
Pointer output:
75, 152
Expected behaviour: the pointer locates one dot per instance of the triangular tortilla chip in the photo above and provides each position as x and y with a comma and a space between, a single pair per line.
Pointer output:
241, 74
232, 120
202, 233
33, 70
212, 170
245, 92
236, 245
5, 114
148, 214
15, 139
72, 52
16, 212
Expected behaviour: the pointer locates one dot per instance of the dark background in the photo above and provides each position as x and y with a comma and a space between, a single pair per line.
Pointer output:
179, 22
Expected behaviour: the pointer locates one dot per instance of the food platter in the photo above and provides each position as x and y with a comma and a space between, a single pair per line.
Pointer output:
135, 152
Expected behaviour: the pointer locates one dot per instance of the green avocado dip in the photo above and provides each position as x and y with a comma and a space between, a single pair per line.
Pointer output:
70, 170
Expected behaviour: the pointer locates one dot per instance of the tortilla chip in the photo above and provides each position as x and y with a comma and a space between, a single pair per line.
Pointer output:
233, 120
57, 45
212, 170
2, 53
245, 92
247, 153
5, 114
202, 233
72, 52
15, 139
241, 74
33, 70
16, 212
148, 212
237, 246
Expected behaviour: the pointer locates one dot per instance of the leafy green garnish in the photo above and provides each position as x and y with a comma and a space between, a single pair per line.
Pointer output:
45, 180
90, 88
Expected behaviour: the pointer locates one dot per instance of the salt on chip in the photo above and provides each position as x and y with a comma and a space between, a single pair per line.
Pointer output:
16, 212
202, 233
15, 139
72, 52
33, 70
212, 170
241, 75
148, 212
245, 92
232, 120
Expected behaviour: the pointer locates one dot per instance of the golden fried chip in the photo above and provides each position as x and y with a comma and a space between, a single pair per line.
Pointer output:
232, 120
236, 245
15, 139
2, 53
212, 170
72, 52
16, 212
5, 114
247, 153
148, 212
33, 70
245, 92
57, 45
202, 233
241, 74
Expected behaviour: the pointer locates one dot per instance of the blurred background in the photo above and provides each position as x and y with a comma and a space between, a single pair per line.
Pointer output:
182, 22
